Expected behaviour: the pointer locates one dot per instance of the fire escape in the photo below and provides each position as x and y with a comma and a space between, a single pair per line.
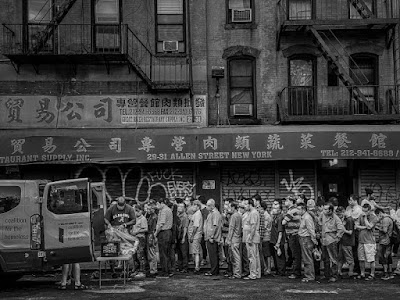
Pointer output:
88, 44
323, 24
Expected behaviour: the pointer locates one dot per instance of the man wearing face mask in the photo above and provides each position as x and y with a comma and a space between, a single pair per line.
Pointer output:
121, 215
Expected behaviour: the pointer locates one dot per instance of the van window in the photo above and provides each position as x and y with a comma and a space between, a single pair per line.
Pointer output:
67, 199
10, 197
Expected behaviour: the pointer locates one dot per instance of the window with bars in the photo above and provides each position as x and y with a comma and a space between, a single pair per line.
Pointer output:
170, 26
300, 9
239, 11
241, 87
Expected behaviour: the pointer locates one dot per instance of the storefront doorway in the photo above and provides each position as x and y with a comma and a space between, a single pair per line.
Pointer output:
335, 182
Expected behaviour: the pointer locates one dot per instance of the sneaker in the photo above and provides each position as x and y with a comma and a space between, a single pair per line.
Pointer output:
385, 277
391, 276
140, 275
292, 276
332, 280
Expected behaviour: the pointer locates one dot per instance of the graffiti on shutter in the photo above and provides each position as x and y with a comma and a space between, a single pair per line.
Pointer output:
295, 179
143, 182
248, 179
380, 177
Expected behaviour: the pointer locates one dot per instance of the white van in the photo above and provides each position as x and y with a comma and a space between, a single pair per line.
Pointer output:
46, 224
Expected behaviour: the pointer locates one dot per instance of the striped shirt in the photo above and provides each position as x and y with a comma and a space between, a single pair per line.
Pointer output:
262, 229
292, 219
165, 218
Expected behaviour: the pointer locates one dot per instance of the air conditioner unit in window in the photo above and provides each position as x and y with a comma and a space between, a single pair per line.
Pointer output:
245, 110
170, 46
241, 15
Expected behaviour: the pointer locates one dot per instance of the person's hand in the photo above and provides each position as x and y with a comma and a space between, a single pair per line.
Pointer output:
276, 245
183, 241
211, 240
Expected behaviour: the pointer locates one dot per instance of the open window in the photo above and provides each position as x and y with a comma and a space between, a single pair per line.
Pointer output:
241, 87
170, 26
240, 11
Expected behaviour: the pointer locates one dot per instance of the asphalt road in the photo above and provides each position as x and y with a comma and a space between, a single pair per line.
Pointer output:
181, 287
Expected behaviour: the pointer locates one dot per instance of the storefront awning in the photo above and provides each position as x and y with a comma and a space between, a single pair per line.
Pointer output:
199, 144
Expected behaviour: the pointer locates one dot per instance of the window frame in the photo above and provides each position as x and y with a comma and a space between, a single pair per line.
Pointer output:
303, 57
20, 198
313, 9
184, 29
373, 57
94, 17
253, 79
229, 15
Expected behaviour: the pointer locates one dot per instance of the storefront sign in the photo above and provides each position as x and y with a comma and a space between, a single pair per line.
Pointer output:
194, 145
101, 111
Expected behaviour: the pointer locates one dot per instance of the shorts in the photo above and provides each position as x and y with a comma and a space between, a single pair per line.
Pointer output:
266, 249
385, 254
196, 246
346, 254
366, 252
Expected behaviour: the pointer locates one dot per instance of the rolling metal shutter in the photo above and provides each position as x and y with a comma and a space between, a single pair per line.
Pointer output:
380, 177
297, 177
247, 179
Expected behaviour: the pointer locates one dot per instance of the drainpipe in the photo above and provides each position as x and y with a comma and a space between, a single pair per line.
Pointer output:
190, 58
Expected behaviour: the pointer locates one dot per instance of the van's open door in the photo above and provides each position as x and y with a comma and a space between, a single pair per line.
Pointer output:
99, 207
67, 222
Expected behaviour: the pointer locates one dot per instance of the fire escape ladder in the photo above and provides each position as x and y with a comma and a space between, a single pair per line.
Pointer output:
362, 8
339, 70
48, 31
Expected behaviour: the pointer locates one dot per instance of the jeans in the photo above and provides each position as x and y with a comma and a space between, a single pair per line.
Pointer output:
307, 247
294, 245
164, 248
236, 258
245, 260
330, 257
279, 261
141, 253
253, 253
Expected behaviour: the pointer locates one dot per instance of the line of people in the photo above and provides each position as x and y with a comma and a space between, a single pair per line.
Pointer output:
251, 239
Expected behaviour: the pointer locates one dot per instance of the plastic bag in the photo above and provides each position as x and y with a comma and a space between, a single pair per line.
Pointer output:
128, 243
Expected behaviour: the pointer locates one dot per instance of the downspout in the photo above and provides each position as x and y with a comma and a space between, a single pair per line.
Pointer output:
190, 60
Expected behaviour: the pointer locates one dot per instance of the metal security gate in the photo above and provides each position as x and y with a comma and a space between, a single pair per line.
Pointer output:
143, 182
297, 177
380, 177
245, 179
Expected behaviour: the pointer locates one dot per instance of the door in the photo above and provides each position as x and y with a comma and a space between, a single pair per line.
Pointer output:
67, 222
335, 183
99, 207
301, 86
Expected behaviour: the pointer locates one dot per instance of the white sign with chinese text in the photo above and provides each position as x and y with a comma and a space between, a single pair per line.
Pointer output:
102, 111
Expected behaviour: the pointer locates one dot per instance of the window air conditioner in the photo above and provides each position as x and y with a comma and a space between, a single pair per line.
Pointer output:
241, 15
245, 110
170, 46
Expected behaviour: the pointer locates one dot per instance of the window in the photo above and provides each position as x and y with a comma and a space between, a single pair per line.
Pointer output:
68, 198
363, 71
300, 9
354, 14
107, 29
333, 79
240, 11
241, 87
10, 197
170, 26
107, 11
301, 85
39, 13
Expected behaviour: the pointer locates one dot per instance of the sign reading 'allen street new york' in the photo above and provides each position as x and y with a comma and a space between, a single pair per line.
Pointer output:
159, 145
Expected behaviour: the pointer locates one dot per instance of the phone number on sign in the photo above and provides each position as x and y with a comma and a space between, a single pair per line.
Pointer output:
368, 153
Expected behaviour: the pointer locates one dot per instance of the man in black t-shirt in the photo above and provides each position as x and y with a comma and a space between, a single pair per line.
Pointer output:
120, 215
